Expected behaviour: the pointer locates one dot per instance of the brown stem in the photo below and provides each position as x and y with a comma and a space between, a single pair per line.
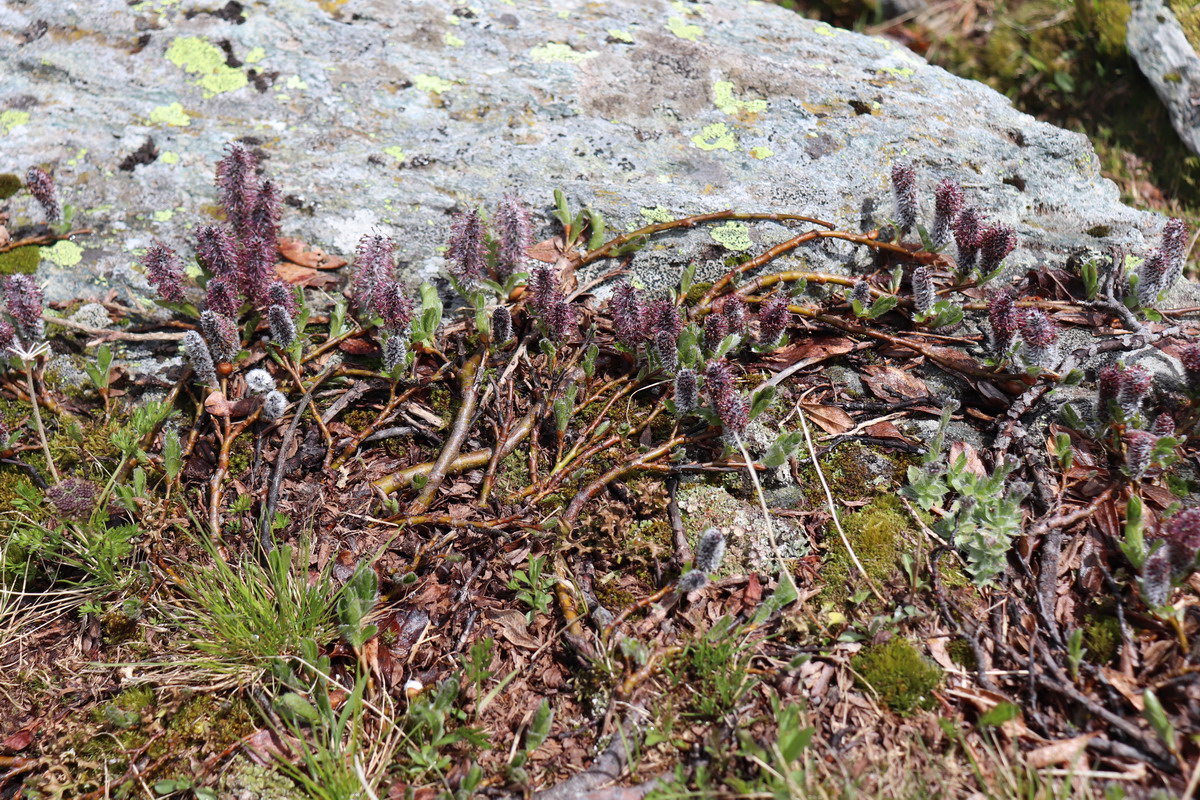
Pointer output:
469, 387
45, 238
37, 420
605, 249
216, 483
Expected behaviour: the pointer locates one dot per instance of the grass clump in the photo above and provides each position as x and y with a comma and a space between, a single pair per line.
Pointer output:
247, 614
900, 675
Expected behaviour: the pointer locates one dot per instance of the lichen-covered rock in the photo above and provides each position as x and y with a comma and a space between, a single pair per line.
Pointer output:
378, 115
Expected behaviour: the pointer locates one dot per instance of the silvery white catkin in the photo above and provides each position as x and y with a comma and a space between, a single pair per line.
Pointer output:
710, 551
259, 381
200, 358
691, 581
274, 405
283, 330
395, 352
501, 325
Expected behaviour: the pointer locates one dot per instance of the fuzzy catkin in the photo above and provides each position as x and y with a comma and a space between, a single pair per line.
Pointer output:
501, 325
200, 358
221, 334
1138, 447
466, 251
41, 186
692, 581
259, 381
283, 329
904, 194
861, 292
665, 348
922, 287
773, 319
995, 243
395, 353
626, 308
967, 226
373, 266
710, 551
686, 396
274, 404
164, 272
24, 300
1132, 388
514, 229
948, 203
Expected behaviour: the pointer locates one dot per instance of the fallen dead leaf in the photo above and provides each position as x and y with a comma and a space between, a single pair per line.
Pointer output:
512, 626
830, 419
888, 383
298, 252
219, 406
302, 276
973, 464
1064, 751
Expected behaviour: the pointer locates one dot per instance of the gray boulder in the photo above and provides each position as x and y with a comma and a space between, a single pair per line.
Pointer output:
378, 115
1163, 53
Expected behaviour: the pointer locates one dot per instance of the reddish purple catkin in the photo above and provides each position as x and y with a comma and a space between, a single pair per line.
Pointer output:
395, 306
967, 227
718, 379
1133, 387
1003, 319
281, 294
1183, 542
662, 316
1108, 384
1152, 278
543, 289
257, 269
734, 410
23, 298
716, 328
904, 195
41, 186
164, 272
74, 498
514, 230
559, 317
1041, 339
668, 354
626, 308
1138, 447
948, 203
1156, 579
995, 243
237, 182
466, 251
373, 267
1189, 356
1164, 425
922, 287
221, 334
221, 296
734, 311
7, 334
215, 250
773, 319
263, 220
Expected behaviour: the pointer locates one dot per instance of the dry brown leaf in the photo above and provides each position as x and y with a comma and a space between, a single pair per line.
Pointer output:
512, 626
888, 383
219, 406
973, 464
1064, 751
302, 276
546, 251
886, 430
809, 351
830, 419
1127, 686
298, 252
357, 347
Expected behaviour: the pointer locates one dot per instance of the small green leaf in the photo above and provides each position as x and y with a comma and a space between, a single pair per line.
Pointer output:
562, 211
882, 305
596, 220
1002, 713
761, 400
294, 708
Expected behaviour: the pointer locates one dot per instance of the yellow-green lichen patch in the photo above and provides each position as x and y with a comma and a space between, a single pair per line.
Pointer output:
432, 83
13, 119
732, 235
163, 215
199, 57
558, 53
684, 30
10, 184
620, 36
656, 214
761, 152
450, 40
825, 29
899, 72
64, 253
396, 152
725, 99
22, 259
295, 82
715, 137
171, 114
169, 157
255, 55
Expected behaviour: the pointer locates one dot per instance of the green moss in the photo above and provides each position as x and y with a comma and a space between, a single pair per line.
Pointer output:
240, 455
86, 441
1102, 637
874, 533
960, 653
1108, 21
1189, 19
900, 675
9, 185
21, 260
